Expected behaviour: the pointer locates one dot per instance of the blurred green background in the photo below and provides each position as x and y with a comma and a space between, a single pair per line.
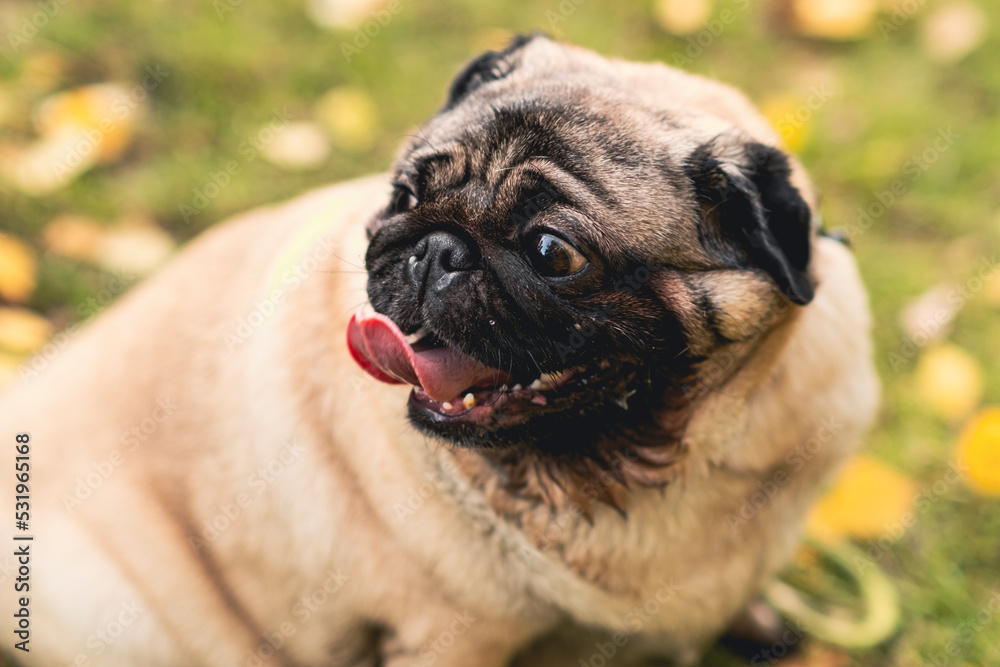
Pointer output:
892, 106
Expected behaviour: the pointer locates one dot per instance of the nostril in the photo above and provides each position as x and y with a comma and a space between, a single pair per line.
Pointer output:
438, 259
448, 252
455, 258
420, 250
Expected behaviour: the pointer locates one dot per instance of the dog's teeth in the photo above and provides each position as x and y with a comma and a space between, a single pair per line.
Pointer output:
417, 335
446, 406
517, 387
367, 310
551, 380
565, 375
469, 401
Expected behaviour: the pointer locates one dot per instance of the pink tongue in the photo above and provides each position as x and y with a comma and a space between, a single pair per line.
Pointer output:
380, 348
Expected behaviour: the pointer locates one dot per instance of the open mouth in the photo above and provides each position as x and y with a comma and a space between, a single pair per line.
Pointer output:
449, 385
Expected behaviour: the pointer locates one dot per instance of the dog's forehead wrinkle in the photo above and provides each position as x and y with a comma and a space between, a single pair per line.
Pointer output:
524, 127
510, 155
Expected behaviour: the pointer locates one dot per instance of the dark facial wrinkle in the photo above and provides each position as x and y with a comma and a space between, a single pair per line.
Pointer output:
535, 135
429, 170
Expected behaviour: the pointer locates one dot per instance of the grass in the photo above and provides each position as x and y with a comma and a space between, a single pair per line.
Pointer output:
888, 102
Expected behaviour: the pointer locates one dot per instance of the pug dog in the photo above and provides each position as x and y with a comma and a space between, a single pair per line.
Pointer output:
559, 390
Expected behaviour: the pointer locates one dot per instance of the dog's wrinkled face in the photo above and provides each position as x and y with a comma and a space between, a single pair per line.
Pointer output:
560, 256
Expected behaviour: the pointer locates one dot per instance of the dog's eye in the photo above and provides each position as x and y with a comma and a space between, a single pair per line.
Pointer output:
403, 199
554, 257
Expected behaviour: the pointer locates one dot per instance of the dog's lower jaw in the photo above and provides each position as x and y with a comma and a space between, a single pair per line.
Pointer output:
649, 452
580, 473
581, 454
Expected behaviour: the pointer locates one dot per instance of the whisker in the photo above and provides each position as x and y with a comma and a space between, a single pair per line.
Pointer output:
349, 262
533, 361
341, 271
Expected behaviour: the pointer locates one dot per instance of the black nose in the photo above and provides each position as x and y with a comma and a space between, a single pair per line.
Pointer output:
437, 260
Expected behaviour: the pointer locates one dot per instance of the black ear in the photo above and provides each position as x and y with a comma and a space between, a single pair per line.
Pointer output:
746, 191
490, 66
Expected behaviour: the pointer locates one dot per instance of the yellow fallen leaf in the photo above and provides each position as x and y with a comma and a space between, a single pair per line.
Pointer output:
682, 17
104, 114
18, 268
299, 146
50, 163
953, 31
867, 500
350, 117
927, 319
22, 331
343, 14
834, 19
791, 118
134, 248
978, 452
73, 236
78, 128
949, 381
